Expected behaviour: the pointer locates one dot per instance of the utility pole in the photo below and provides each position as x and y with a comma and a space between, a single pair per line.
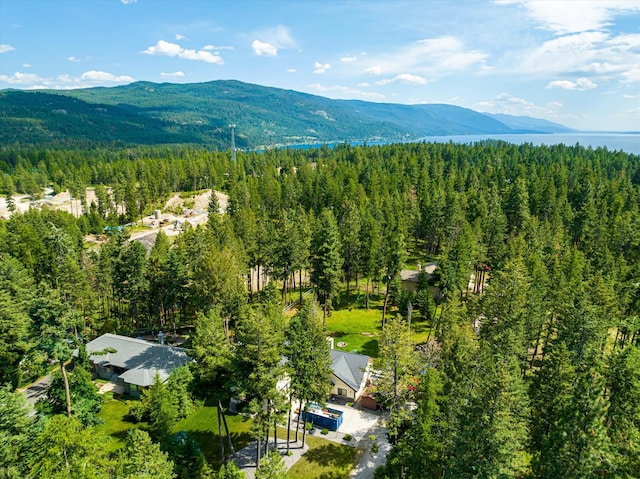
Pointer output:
233, 142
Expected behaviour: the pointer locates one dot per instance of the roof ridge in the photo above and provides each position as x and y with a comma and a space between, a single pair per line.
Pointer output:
140, 341
129, 338
348, 352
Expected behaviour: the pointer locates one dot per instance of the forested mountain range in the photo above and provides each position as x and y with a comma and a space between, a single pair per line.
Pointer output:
200, 113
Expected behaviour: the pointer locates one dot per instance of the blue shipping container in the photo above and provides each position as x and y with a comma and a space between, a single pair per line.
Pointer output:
328, 418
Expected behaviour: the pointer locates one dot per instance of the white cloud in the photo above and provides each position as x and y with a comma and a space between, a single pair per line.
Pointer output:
73, 59
406, 78
506, 103
563, 17
127, 2
200, 55
178, 74
632, 75
374, 70
26, 65
180, 37
428, 57
213, 47
4, 48
588, 52
164, 48
339, 91
581, 84
349, 59
270, 40
175, 50
264, 49
320, 68
87, 79
104, 77
278, 36
19, 78
292, 70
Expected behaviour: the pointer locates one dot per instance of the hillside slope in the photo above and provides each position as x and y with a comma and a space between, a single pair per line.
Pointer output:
145, 113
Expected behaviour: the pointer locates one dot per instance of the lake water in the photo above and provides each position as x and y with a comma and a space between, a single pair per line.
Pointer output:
627, 142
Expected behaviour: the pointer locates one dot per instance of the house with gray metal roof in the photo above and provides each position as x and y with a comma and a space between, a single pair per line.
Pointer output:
350, 373
133, 362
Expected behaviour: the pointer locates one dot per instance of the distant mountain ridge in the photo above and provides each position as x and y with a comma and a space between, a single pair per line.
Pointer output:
527, 122
149, 113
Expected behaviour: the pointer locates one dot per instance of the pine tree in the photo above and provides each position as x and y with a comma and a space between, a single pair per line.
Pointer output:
309, 361
17, 432
350, 239
142, 458
161, 408
419, 451
568, 421
623, 415
65, 449
271, 467
257, 365
490, 433
211, 349
326, 261
399, 366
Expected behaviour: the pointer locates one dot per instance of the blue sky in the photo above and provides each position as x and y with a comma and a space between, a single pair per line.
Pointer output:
575, 62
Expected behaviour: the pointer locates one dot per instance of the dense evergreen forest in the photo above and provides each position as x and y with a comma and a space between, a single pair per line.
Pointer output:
535, 374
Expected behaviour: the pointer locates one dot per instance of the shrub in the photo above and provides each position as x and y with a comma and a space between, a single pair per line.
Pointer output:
347, 437
374, 447
372, 437
325, 431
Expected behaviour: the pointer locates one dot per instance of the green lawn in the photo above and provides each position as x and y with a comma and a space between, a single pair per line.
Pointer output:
325, 460
202, 425
114, 414
360, 328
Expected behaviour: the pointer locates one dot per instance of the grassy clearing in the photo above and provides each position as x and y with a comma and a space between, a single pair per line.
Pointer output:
360, 328
325, 460
116, 424
202, 425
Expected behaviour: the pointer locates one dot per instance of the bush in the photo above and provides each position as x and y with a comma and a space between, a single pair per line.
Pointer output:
372, 437
325, 431
374, 447
138, 411
347, 437
308, 426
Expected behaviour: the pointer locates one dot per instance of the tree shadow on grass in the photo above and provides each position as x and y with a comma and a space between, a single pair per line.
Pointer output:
331, 456
338, 334
370, 348
210, 444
